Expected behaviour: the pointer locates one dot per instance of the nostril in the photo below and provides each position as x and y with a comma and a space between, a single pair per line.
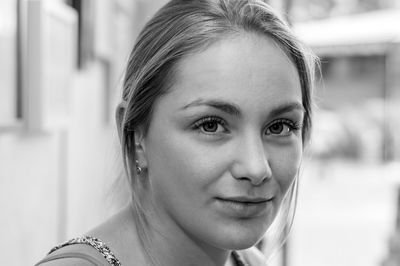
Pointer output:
255, 174
261, 179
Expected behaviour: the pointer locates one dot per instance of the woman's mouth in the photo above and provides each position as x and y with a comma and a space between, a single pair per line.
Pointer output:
245, 207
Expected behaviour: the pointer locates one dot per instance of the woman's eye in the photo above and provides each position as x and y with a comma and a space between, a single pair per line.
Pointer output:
282, 128
278, 128
210, 125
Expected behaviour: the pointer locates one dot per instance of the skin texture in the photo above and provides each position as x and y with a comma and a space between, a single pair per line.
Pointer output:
229, 126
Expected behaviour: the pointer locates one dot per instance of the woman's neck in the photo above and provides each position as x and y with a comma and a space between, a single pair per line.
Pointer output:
169, 244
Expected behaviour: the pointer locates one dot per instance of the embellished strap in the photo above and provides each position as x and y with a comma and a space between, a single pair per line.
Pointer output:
96, 243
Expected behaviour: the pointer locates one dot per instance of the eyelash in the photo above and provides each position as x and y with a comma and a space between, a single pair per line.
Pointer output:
293, 126
209, 119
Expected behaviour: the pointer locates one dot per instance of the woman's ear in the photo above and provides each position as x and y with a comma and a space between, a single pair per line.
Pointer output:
119, 118
140, 147
138, 133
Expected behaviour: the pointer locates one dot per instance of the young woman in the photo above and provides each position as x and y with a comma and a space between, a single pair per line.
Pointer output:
214, 118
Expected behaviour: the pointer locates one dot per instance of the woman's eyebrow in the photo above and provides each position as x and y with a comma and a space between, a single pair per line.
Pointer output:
233, 109
287, 108
227, 107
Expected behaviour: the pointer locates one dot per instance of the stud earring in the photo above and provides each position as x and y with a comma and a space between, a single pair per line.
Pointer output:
138, 168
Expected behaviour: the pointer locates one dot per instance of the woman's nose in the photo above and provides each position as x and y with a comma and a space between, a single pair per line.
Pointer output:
252, 161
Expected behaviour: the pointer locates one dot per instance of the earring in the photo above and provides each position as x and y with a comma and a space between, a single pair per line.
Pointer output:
138, 168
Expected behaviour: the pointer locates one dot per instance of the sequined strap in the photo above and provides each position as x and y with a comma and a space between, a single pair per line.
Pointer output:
96, 243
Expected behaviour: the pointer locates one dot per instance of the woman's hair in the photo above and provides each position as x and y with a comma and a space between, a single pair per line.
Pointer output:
184, 27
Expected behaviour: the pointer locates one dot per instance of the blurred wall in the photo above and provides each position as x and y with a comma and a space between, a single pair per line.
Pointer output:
58, 162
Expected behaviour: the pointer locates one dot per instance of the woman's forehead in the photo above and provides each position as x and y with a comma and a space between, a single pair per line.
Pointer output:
250, 66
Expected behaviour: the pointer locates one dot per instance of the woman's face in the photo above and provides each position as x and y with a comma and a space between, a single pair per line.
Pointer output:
224, 144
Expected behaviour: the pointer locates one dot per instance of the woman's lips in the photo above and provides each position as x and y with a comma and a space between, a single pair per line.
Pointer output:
244, 199
245, 207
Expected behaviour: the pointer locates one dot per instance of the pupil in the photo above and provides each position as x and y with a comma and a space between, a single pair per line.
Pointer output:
277, 128
210, 126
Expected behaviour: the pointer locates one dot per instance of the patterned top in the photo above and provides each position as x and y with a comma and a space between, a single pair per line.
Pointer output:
106, 252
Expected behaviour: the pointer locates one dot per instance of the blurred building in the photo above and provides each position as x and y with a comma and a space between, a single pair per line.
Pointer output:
347, 205
360, 55
61, 66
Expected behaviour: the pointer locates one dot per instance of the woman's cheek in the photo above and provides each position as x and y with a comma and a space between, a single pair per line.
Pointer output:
286, 167
207, 163
194, 160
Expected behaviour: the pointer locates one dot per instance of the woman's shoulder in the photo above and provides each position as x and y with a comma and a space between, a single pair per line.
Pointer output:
253, 256
107, 244
79, 254
66, 262
81, 251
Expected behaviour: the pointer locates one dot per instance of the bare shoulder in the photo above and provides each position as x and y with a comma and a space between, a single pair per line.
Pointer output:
253, 256
66, 262
77, 254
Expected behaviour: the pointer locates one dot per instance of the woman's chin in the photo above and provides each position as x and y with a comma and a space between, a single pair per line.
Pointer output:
238, 243
242, 244
240, 237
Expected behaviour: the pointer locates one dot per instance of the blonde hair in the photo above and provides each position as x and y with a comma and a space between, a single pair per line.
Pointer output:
184, 27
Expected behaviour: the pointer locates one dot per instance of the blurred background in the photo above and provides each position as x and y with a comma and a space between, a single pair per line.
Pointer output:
61, 65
